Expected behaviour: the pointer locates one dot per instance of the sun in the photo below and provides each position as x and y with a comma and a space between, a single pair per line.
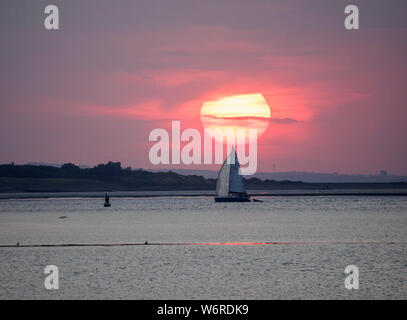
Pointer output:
246, 111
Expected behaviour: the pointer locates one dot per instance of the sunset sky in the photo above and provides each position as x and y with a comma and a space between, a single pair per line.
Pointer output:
93, 91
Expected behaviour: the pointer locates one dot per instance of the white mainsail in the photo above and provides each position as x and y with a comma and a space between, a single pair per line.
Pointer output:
229, 180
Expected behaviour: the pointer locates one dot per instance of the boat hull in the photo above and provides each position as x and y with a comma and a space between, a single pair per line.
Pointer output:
232, 199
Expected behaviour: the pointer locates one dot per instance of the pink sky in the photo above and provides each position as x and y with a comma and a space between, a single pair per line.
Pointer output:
92, 91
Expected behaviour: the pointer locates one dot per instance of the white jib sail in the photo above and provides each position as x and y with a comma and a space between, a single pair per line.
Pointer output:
229, 180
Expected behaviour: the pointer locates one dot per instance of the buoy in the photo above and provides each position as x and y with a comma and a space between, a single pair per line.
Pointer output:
107, 203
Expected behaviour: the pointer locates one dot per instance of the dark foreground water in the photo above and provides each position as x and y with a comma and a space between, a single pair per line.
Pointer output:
315, 239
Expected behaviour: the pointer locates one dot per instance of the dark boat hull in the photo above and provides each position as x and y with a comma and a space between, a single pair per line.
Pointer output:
232, 199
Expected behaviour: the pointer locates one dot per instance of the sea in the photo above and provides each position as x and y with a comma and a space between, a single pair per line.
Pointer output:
154, 246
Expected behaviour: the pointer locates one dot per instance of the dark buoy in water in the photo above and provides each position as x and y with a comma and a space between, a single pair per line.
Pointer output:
107, 203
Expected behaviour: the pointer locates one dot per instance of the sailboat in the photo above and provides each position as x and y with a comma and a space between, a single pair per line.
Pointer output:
229, 185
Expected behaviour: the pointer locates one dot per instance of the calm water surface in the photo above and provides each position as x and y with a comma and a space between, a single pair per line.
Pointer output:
372, 232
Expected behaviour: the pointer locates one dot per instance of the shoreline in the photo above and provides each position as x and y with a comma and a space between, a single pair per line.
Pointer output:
202, 193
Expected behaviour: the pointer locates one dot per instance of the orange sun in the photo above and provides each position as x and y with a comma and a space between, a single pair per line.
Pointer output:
247, 111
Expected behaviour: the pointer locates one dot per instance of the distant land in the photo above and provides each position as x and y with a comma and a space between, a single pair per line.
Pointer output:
314, 177
112, 177
56, 165
103, 177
